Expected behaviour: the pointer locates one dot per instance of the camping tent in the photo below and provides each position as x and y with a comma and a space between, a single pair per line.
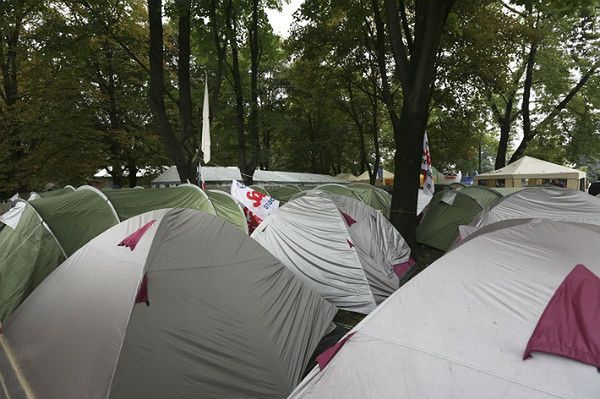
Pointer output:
346, 250
51, 193
543, 202
190, 307
48, 230
460, 328
375, 197
227, 208
448, 210
529, 171
282, 193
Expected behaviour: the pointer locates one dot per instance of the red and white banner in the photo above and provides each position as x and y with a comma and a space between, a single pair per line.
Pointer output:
428, 187
258, 203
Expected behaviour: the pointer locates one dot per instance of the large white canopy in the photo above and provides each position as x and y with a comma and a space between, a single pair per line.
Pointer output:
530, 168
459, 329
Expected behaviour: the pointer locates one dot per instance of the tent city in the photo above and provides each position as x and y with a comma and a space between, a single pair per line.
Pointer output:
303, 199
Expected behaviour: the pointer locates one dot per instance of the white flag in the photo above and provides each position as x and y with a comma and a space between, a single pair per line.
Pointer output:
257, 202
428, 187
206, 125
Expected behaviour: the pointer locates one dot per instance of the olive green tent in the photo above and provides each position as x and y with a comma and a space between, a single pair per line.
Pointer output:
50, 229
227, 208
282, 193
447, 210
375, 197
52, 193
129, 203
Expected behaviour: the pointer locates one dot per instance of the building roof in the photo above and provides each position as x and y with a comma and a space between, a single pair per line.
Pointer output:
529, 167
214, 174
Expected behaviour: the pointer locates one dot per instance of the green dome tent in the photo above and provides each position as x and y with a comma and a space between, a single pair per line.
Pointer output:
48, 230
447, 210
52, 193
375, 197
129, 203
227, 208
282, 193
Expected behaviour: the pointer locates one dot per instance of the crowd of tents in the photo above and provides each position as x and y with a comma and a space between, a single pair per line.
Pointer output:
160, 293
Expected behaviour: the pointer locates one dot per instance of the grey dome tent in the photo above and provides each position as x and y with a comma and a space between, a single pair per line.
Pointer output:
459, 330
169, 304
347, 251
373, 196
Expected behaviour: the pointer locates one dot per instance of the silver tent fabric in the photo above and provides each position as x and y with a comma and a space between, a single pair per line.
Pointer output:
350, 266
459, 329
67, 335
543, 202
225, 318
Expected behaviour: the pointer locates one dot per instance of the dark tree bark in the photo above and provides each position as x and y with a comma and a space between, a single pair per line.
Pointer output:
528, 133
231, 21
183, 75
253, 117
415, 69
221, 51
9, 48
174, 146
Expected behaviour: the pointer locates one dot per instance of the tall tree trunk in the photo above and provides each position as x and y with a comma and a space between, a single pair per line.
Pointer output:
416, 72
253, 117
133, 169
505, 122
230, 15
157, 102
183, 76
116, 150
528, 133
375, 127
221, 51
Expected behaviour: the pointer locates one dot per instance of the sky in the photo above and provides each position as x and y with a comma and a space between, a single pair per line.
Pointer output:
281, 20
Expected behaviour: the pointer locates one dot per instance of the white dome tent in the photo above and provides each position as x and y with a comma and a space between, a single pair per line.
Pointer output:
460, 329
346, 250
222, 317
547, 202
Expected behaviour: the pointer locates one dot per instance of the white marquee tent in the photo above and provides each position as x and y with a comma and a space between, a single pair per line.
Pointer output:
529, 171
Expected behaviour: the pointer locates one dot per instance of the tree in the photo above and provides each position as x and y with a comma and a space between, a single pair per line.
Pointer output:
414, 52
182, 146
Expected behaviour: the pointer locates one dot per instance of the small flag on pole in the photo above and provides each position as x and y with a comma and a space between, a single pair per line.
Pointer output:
206, 126
205, 146
428, 187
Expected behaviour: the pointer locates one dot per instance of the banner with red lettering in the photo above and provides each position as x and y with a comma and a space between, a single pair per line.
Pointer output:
258, 203
426, 170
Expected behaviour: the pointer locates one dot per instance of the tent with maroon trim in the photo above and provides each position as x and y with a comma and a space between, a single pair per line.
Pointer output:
346, 250
460, 329
169, 304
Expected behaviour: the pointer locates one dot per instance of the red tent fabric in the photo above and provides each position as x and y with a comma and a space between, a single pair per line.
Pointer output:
131, 240
570, 324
